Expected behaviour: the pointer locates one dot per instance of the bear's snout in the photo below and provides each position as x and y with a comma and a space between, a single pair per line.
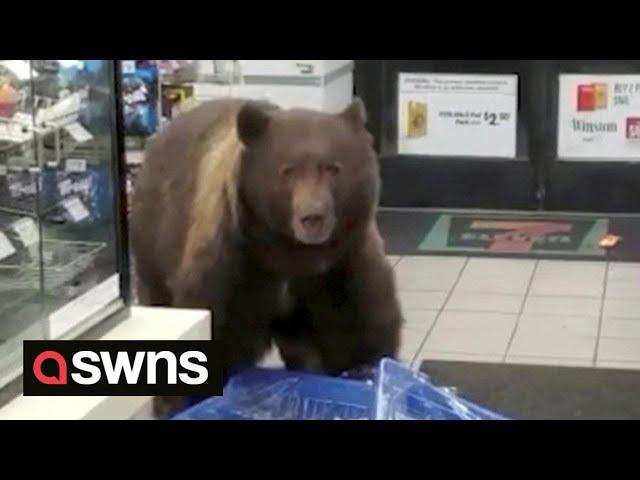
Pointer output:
313, 217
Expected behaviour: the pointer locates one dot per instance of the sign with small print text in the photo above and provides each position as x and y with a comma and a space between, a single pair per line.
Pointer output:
457, 115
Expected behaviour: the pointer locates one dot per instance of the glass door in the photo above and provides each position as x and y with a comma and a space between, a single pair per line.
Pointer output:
21, 274
593, 143
452, 134
63, 248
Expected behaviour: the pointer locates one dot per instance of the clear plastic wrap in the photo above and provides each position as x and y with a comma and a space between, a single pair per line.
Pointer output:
406, 394
394, 392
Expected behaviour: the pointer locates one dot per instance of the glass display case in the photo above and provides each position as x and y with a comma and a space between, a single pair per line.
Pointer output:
63, 242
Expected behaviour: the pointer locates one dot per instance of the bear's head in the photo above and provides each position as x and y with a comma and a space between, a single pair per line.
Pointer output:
308, 175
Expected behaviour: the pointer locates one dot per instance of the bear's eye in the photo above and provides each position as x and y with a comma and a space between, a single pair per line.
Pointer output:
332, 169
286, 170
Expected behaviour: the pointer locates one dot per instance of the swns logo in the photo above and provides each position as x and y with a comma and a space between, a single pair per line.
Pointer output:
145, 368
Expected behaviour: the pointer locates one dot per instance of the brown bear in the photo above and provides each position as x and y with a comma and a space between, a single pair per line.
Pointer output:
266, 217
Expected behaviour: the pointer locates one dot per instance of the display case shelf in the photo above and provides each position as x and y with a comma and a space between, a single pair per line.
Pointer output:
62, 198
62, 261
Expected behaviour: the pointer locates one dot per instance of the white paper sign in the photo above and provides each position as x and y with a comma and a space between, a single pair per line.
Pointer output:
76, 209
65, 187
76, 165
18, 190
27, 230
128, 66
65, 112
6, 247
599, 117
20, 68
14, 133
24, 119
457, 115
78, 132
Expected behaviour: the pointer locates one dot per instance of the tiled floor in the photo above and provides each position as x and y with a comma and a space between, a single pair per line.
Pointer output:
518, 311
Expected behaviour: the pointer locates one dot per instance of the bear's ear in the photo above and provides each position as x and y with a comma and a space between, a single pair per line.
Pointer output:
253, 120
356, 113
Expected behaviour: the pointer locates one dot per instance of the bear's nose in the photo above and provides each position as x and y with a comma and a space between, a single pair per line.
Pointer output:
312, 221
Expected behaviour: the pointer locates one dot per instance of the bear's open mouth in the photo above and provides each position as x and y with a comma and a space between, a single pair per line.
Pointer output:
313, 240
312, 231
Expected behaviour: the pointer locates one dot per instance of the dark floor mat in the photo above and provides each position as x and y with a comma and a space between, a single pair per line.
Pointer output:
529, 392
475, 233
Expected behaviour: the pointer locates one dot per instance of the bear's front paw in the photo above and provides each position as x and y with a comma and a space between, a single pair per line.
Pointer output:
166, 407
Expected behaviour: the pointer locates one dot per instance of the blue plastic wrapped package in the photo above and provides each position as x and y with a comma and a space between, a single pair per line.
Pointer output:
395, 392
141, 98
99, 192
405, 394
19, 189
264, 394
91, 187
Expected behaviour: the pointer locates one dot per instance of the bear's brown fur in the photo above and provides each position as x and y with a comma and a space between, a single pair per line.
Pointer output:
267, 218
